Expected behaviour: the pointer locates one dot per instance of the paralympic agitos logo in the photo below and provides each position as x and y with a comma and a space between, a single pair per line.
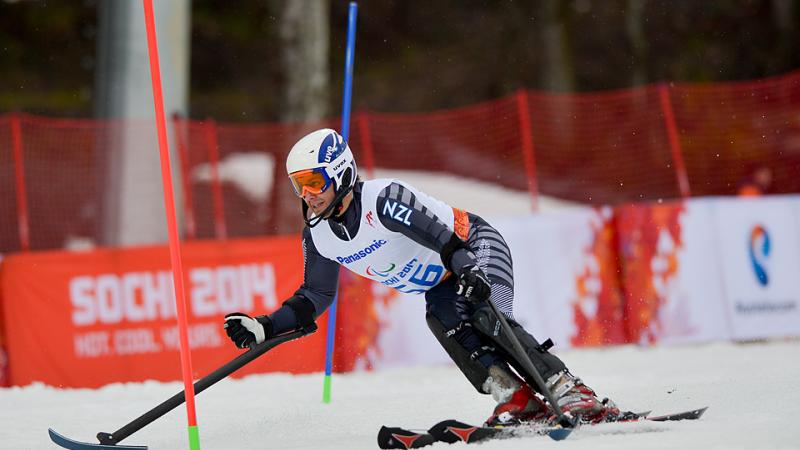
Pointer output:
371, 271
363, 253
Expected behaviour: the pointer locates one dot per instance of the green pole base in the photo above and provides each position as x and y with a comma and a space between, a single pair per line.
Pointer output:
326, 389
194, 438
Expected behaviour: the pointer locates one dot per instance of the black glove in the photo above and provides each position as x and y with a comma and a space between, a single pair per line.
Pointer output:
245, 330
473, 284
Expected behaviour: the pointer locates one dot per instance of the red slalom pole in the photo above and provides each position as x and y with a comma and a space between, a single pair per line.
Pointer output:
528, 150
19, 175
172, 224
674, 140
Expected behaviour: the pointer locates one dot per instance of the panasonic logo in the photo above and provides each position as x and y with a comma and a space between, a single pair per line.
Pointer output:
363, 253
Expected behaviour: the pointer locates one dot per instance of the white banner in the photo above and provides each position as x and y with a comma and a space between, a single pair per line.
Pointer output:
759, 253
549, 253
692, 308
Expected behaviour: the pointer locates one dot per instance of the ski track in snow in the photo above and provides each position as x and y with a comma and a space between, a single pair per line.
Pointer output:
751, 390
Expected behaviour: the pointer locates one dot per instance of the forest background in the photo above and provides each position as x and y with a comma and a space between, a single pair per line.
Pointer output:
410, 56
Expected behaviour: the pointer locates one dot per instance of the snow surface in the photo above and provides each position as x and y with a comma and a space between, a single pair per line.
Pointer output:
751, 389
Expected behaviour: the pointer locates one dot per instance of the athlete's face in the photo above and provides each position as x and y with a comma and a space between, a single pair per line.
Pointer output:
318, 202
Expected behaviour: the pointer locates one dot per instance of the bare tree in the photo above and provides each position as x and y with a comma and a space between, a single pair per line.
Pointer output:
304, 34
634, 26
783, 16
558, 71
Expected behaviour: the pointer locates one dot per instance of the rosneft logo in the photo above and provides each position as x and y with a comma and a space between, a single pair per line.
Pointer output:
759, 252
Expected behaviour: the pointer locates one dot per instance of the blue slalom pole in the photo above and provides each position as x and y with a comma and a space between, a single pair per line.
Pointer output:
348, 69
348, 92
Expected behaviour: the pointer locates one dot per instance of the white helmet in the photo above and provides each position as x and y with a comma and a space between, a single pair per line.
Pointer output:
319, 160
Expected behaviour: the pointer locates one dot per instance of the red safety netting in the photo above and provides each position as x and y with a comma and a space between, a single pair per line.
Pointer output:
238, 199
480, 142
602, 148
726, 129
9, 230
647, 143
59, 161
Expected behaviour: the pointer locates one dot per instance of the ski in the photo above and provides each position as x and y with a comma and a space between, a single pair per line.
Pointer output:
77, 445
687, 415
394, 437
452, 431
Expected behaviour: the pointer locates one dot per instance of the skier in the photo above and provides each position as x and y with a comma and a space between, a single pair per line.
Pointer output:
390, 232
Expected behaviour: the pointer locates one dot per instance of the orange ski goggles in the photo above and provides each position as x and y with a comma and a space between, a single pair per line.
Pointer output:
314, 181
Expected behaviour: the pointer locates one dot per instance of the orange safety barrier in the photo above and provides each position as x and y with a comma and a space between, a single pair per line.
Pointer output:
88, 319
